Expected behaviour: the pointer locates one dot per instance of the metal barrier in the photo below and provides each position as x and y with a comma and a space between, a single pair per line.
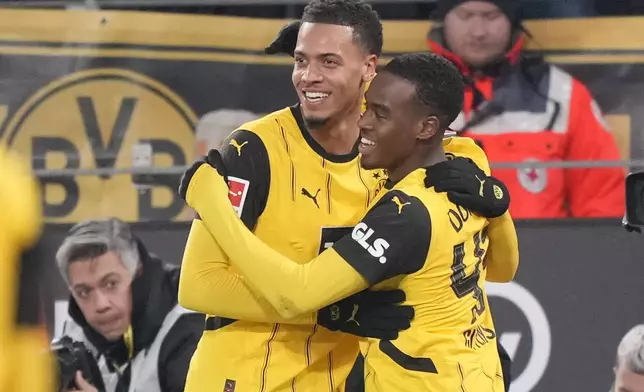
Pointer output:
177, 170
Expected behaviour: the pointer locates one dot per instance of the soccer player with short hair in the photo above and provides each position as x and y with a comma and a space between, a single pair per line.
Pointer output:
296, 181
412, 238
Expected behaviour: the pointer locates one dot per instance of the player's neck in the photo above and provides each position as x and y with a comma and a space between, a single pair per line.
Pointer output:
339, 136
435, 155
424, 156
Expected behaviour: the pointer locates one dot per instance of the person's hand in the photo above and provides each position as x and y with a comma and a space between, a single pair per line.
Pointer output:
369, 313
468, 186
82, 385
213, 159
286, 40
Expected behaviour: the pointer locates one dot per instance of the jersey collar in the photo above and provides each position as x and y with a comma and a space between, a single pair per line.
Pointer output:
306, 134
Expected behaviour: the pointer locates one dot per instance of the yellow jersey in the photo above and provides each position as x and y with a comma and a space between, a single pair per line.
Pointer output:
24, 361
415, 239
299, 200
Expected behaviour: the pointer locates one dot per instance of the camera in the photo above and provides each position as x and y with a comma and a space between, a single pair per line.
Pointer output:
71, 357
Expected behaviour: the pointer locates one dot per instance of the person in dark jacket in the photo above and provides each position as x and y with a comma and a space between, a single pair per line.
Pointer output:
123, 307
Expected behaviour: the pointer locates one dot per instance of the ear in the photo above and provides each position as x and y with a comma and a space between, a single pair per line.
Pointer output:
428, 128
370, 68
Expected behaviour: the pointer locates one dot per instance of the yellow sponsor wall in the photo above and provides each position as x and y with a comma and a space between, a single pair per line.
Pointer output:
107, 97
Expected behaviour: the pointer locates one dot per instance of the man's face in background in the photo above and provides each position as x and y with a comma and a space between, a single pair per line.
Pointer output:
101, 288
330, 71
628, 381
478, 32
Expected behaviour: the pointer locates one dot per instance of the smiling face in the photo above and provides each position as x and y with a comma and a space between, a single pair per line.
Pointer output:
393, 123
330, 72
101, 288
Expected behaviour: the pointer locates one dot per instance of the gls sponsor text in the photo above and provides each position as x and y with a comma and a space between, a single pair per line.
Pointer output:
361, 234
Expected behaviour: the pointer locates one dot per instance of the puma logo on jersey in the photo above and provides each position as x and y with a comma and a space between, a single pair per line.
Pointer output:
308, 194
238, 146
482, 182
362, 233
399, 203
354, 313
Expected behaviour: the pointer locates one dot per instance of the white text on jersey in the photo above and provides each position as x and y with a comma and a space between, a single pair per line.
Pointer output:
361, 233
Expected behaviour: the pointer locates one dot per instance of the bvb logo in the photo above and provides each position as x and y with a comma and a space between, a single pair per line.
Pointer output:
498, 192
94, 119
335, 312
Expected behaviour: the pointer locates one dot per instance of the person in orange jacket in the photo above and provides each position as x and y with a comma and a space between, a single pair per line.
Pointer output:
521, 109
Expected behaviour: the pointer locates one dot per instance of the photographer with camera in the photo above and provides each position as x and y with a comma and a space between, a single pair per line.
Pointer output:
123, 309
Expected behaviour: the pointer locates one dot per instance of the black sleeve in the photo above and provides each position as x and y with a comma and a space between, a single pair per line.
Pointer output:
30, 285
177, 350
392, 239
248, 168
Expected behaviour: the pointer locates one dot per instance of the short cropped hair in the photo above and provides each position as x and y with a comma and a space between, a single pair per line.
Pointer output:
439, 85
630, 352
367, 29
94, 238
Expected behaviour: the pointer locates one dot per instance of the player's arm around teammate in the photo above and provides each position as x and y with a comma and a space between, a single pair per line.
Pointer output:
300, 283
209, 285
295, 289
408, 231
291, 288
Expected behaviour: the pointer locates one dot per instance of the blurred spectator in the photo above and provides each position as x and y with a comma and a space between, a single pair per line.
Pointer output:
215, 126
521, 109
629, 365
123, 307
